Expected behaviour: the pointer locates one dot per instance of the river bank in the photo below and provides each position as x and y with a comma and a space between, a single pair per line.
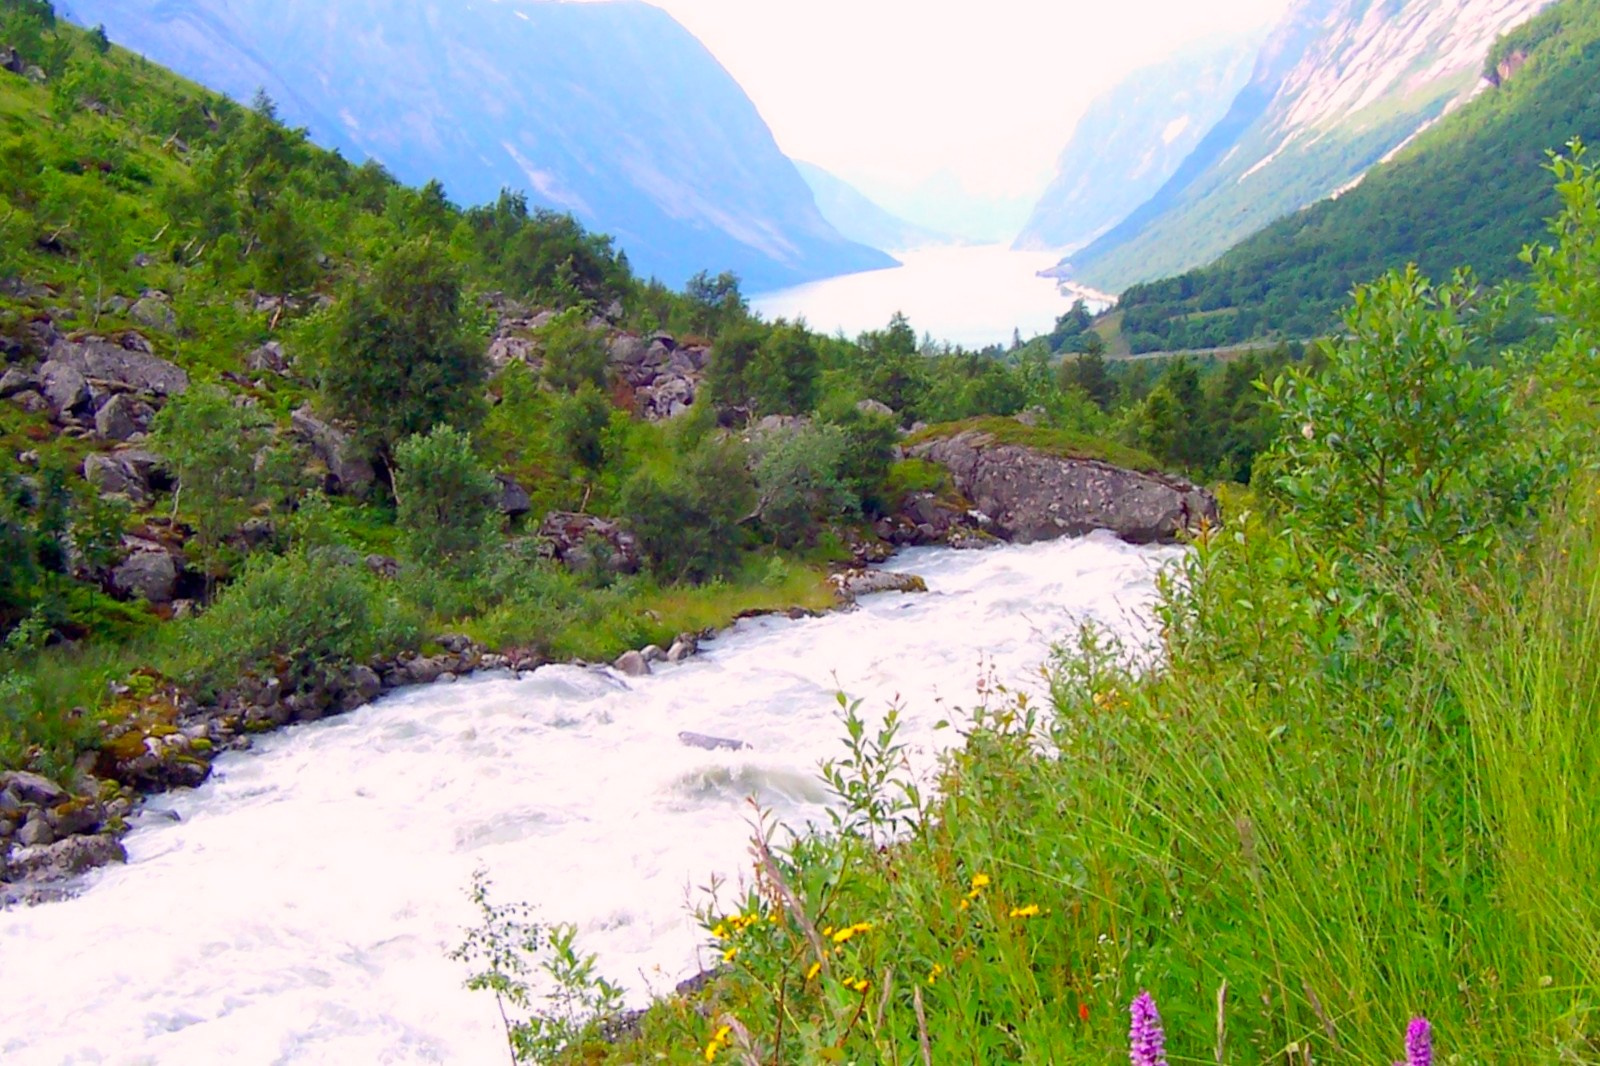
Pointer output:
319, 879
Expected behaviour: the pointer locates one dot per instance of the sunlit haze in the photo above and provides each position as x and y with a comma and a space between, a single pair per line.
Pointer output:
919, 103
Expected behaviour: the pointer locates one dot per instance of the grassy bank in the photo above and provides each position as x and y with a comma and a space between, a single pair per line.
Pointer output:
1362, 785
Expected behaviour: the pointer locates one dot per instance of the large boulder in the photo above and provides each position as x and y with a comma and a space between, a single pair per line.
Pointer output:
113, 475
1032, 495
514, 499
33, 788
126, 366
582, 542
348, 469
64, 386
64, 858
121, 417
152, 575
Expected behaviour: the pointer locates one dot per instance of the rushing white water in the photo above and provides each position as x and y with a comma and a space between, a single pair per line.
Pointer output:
301, 909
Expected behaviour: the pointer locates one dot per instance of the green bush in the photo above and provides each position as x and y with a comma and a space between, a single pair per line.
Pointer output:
688, 521
444, 499
303, 617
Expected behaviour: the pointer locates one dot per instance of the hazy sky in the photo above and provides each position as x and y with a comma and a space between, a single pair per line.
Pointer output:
889, 93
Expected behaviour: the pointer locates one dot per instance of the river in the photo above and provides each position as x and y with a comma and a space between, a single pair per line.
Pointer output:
299, 908
972, 295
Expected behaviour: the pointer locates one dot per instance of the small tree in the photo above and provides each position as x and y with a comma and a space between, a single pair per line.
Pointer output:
226, 460
783, 376
574, 355
1401, 438
580, 424
688, 521
801, 485
403, 359
444, 498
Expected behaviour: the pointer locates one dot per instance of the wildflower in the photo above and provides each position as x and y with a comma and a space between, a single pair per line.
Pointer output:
1419, 1043
1083, 1012
860, 984
981, 881
1146, 1040
719, 1040
812, 971
720, 931
933, 974
1030, 911
851, 930
728, 956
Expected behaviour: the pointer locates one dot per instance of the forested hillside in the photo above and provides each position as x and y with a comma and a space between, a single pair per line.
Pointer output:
611, 111
1468, 191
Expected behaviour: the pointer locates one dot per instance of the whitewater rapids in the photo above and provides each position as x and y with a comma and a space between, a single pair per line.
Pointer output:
300, 908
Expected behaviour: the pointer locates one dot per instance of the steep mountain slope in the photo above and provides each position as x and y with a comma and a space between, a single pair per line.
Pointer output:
1468, 191
1132, 139
1339, 85
609, 110
859, 218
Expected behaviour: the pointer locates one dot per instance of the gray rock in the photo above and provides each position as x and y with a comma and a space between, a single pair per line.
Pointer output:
128, 366
364, 683
873, 407
581, 542
114, 477
155, 312
632, 664
66, 858
679, 652
854, 583
348, 469
514, 499
36, 831
71, 819
652, 653
121, 417
14, 381
33, 788
707, 743
267, 359
64, 386
152, 575
31, 401
1032, 495
10, 803
385, 566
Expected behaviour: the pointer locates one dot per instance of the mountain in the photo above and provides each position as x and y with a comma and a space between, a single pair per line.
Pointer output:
1132, 139
612, 111
1468, 191
860, 219
1339, 85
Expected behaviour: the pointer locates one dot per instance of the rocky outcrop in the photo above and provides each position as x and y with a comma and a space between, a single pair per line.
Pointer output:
125, 366
853, 584
664, 377
514, 500
583, 542
924, 519
1031, 495
150, 575
349, 471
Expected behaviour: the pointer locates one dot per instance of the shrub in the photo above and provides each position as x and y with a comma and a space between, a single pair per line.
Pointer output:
687, 522
303, 616
800, 484
444, 499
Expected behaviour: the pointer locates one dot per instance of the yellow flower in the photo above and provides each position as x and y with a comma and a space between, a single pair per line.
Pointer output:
860, 984
718, 1041
1030, 911
720, 932
727, 956
812, 971
933, 974
981, 881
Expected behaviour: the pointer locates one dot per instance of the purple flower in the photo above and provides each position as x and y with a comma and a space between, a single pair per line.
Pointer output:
1419, 1043
1147, 1044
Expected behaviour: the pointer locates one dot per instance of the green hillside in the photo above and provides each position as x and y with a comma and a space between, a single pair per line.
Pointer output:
1470, 190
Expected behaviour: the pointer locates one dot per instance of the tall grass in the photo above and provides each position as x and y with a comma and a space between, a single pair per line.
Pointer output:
1326, 813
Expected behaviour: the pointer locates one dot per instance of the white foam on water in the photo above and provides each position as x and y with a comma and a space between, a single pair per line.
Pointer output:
302, 909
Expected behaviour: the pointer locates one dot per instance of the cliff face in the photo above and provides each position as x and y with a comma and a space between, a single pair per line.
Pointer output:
610, 110
1338, 87
1131, 140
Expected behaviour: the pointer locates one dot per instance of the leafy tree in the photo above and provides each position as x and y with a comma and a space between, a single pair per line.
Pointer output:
99, 41
226, 461
730, 378
402, 358
1087, 371
444, 498
687, 521
574, 355
715, 304
800, 484
783, 377
1400, 438
580, 424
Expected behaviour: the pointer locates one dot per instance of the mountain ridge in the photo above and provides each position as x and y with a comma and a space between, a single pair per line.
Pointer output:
1339, 85
581, 105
